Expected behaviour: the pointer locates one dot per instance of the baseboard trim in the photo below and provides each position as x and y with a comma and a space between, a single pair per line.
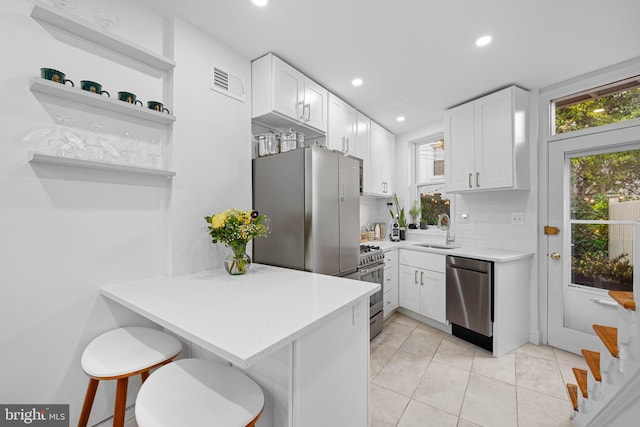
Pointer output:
535, 337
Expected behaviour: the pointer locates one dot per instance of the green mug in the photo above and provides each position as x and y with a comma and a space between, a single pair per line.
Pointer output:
157, 106
54, 76
93, 87
128, 97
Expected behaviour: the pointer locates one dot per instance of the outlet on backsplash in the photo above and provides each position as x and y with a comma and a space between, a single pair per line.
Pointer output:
517, 217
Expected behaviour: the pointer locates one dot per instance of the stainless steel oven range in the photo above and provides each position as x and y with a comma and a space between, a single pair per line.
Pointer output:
372, 270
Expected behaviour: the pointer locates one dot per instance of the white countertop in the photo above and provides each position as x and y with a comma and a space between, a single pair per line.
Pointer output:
487, 254
241, 318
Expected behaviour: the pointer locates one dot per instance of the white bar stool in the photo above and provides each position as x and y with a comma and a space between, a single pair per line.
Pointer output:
196, 392
120, 354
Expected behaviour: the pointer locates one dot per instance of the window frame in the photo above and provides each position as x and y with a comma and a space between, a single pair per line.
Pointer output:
438, 183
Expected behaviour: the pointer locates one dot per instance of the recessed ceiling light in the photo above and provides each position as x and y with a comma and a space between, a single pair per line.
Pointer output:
400, 119
357, 82
483, 41
599, 110
260, 3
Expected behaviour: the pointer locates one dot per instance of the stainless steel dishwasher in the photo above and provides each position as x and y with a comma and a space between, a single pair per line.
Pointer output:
469, 284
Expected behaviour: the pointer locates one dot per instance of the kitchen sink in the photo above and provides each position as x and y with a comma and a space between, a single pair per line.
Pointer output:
435, 246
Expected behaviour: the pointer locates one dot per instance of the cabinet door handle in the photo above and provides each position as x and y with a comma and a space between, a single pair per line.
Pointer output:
344, 144
307, 108
421, 278
415, 277
478, 179
300, 110
470, 185
347, 150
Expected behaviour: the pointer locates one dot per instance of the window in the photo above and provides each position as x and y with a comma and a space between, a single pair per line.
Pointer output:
429, 179
430, 161
612, 103
605, 199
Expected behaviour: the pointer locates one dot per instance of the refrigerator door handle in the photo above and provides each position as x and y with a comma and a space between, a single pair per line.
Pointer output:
342, 189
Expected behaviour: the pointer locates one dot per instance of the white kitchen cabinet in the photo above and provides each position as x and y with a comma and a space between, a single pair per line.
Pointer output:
342, 133
363, 135
486, 143
382, 144
391, 295
422, 284
283, 97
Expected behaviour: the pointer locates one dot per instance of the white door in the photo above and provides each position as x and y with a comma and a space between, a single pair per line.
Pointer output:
459, 148
377, 156
594, 250
288, 90
410, 288
493, 140
315, 105
342, 126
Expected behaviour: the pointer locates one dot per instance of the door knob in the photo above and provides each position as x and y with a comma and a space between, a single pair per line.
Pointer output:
555, 256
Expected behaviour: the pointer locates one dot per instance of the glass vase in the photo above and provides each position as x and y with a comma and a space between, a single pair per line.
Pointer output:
238, 262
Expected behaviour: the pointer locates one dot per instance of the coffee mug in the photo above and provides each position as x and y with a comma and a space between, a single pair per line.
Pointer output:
157, 106
93, 87
54, 76
128, 97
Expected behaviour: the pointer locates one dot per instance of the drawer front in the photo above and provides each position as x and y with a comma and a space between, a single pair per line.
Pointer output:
425, 260
391, 258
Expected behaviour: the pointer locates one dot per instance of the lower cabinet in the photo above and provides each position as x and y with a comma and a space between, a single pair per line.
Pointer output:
422, 284
390, 282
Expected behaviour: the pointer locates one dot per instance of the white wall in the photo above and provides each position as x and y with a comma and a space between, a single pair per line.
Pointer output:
212, 148
66, 232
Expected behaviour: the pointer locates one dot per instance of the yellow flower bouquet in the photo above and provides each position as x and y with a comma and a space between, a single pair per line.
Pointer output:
235, 228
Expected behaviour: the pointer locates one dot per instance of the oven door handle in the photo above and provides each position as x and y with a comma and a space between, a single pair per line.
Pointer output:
371, 269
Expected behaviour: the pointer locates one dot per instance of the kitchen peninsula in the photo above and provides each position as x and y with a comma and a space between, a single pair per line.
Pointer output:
303, 337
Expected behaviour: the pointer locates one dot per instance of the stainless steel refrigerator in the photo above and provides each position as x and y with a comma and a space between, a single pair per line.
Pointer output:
312, 198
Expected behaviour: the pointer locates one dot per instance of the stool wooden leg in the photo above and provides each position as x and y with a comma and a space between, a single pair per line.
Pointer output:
144, 375
88, 402
121, 402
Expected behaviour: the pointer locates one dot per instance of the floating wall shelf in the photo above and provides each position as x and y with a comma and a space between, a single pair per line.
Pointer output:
47, 159
93, 32
88, 98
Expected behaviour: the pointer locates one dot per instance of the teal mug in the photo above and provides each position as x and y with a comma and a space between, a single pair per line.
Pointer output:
93, 87
128, 97
54, 76
157, 106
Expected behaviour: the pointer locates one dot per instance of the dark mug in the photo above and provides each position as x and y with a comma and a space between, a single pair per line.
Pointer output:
93, 87
128, 97
157, 106
54, 76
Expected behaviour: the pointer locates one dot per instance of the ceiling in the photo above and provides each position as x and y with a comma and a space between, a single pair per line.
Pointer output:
418, 57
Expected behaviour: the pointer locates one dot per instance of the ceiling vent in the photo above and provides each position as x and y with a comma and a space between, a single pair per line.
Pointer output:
227, 83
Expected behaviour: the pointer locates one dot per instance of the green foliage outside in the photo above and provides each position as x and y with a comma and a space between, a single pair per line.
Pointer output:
594, 178
432, 206
617, 107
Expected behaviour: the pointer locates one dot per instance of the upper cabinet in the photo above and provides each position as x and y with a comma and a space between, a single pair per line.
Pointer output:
283, 97
381, 155
342, 134
486, 143
363, 136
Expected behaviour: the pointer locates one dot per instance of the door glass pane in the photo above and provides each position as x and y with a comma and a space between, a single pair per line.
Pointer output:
616, 102
605, 198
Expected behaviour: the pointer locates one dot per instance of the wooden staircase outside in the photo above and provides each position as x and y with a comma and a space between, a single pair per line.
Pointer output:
613, 374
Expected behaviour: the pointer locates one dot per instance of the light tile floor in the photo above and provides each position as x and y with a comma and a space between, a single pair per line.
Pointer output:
423, 377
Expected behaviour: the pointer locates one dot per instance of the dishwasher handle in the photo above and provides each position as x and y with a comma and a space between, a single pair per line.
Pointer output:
470, 264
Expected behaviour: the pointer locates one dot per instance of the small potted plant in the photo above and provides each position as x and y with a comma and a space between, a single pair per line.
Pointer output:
414, 213
423, 221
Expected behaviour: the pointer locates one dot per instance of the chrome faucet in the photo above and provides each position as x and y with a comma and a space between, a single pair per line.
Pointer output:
449, 240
